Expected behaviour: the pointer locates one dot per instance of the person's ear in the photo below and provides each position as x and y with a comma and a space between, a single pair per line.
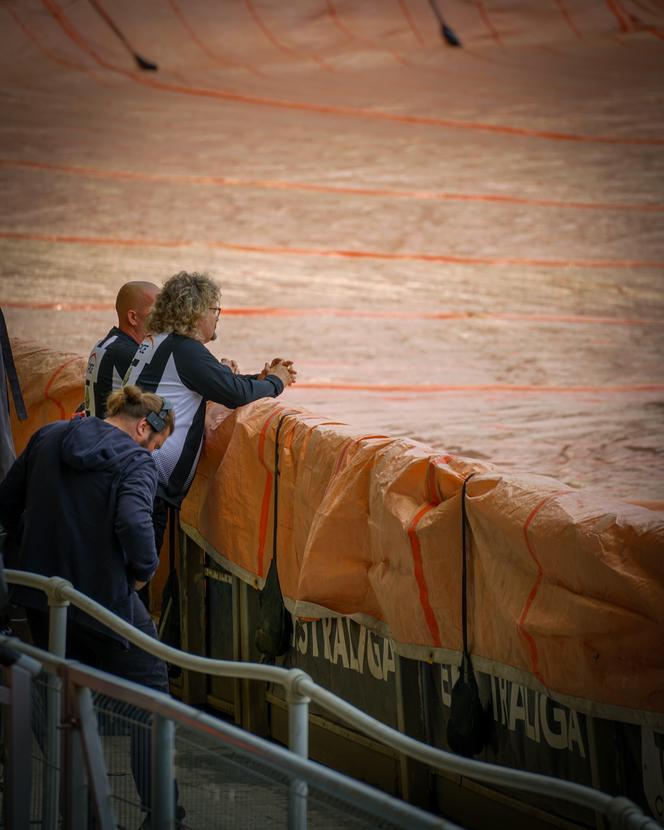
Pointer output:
132, 317
143, 428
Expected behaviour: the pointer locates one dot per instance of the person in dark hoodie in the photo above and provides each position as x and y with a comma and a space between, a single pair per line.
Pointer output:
79, 502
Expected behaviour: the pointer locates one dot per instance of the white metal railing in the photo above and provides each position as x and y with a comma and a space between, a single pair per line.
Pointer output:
84, 752
620, 812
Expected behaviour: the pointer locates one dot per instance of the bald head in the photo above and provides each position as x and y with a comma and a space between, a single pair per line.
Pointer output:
133, 304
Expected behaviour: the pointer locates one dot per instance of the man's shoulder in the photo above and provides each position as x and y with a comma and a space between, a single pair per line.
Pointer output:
167, 354
162, 341
130, 456
182, 343
114, 344
141, 459
170, 340
54, 428
122, 341
110, 337
48, 433
140, 473
189, 354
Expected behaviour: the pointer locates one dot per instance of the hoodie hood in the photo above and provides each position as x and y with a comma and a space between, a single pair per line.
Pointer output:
93, 444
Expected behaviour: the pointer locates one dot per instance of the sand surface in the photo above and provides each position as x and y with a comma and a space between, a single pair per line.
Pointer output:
464, 246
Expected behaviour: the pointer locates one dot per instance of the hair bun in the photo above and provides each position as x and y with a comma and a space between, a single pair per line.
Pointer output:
132, 394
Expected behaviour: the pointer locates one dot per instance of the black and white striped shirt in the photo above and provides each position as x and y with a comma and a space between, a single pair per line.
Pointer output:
184, 371
107, 365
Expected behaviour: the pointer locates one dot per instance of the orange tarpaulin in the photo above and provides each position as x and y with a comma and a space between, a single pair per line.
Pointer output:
566, 591
52, 386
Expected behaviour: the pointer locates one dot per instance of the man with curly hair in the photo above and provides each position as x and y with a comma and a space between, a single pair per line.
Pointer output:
173, 361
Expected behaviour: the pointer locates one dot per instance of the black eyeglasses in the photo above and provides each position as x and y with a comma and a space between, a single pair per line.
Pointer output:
217, 309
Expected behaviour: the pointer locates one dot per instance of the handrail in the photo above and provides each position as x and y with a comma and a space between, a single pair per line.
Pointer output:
621, 813
61, 592
160, 703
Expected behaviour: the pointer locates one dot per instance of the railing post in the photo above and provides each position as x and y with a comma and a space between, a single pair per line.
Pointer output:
57, 639
298, 742
300, 688
94, 759
17, 740
162, 775
57, 626
75, 789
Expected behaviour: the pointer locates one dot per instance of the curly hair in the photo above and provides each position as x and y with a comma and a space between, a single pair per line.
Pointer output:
131, 402
181, 303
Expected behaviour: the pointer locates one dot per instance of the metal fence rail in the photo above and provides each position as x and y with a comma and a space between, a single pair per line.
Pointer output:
225, 776
620, 813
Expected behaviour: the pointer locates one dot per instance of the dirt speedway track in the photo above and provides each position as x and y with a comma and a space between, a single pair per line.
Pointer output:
464, 246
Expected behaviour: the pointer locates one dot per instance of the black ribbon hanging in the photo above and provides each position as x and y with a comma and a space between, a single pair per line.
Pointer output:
467, 724
275, 626
10, 370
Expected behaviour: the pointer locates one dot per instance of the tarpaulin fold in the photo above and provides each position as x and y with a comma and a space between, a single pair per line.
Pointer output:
566, 590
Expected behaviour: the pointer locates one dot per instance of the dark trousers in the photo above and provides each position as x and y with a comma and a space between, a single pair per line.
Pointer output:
133, 664
159, 522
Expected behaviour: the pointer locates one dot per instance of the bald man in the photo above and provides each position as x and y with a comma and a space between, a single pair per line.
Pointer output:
110, 358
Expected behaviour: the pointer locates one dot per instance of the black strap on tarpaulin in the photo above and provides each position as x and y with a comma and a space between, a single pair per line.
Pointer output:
464, 568
275, 626
10, 370
169, 630
446, 32
141, 62
467, 727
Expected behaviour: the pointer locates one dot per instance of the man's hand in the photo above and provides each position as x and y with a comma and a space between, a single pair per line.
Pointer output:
283, 369
232, 364
268, 366
265, 372
267, 369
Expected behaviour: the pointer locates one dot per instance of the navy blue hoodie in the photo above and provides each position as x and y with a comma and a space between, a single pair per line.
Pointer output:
80, 496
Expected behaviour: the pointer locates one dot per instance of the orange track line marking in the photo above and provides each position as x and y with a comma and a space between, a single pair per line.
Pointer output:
277, 184
57, 306
218, 59
482, 388
350, 36
249, 311
487, 21
567, 17
619, 14
282, 46
355, 112
281, 250
49, 53
443, 259
411, 23
95, 240
336, 20
266, 311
